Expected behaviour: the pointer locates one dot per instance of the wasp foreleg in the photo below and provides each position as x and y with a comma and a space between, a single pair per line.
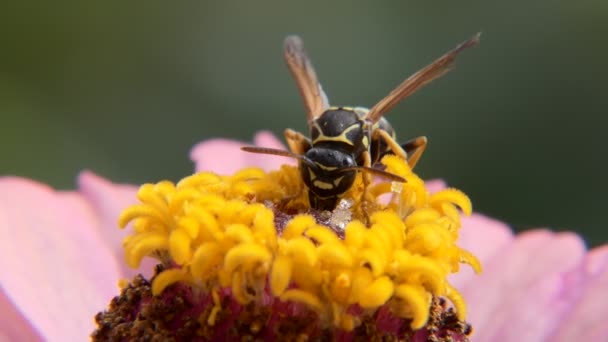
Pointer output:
297, 142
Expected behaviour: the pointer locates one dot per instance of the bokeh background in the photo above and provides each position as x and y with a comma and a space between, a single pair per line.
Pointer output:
126, 88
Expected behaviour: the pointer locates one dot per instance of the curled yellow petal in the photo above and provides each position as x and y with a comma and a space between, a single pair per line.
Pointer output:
144, 246
424, 215
450, 211
137, 211
181, 197
209, 228
165, 189
302, 251
239, 233
418, 302
248, 174
304, 297
322, 234
190, 226
166, 278
147, 194
354, 234
390, 227
396, 166
456, 298
424, 238
377, 293
373, 260
340, 287
244, 255
281, 275
263, 226
455, 196
199, 179
238, 287
335, 254
469, 259
208, 202
297, 226
206, 257
179, 247
361, 279
230, 211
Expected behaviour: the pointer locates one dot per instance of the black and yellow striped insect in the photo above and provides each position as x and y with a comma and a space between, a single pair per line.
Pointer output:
346, 140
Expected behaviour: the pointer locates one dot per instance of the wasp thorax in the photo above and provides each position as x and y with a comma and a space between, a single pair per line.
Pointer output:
328, 174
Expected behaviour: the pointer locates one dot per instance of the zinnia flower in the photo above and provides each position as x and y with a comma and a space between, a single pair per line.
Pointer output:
62, 259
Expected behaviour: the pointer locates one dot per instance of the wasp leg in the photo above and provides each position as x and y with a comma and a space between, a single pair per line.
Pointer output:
411, 150
414, 148
367, 180
297, 142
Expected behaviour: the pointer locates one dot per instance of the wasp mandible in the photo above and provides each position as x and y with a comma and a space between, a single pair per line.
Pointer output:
346, 140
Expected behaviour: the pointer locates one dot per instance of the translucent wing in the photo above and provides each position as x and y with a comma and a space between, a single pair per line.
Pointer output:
432, 71
304, 74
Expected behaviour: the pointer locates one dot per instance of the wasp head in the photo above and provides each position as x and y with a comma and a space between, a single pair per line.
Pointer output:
327, 173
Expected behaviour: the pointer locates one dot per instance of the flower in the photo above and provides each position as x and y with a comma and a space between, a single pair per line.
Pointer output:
250, 240
60, 265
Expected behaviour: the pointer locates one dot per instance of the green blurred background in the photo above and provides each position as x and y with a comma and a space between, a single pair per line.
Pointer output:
126, 88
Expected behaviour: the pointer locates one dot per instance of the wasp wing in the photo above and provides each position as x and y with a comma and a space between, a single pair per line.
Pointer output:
432, 71
305, 76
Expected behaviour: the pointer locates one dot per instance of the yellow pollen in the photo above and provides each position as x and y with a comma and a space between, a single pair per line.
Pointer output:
123, 283
217, 232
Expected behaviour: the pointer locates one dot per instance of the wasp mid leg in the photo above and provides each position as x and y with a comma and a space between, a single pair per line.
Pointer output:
411, 150
367, 181
414, 149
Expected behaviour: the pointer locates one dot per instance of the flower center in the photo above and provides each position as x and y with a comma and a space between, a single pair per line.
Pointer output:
385, 247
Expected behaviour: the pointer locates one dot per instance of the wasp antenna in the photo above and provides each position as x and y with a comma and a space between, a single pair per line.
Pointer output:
280, 153
305, 76
273, 151
421, 78
390, 176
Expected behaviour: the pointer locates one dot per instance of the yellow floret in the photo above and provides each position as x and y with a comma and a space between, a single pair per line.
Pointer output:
217, 232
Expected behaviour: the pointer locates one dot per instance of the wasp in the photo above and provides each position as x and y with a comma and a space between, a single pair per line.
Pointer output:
347, 140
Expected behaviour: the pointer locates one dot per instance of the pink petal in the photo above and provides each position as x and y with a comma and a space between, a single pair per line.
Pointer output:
517, 296
435, 185
267, 139
54, 266
224, 156
485, 238
587, 320
109, 200
13, 326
